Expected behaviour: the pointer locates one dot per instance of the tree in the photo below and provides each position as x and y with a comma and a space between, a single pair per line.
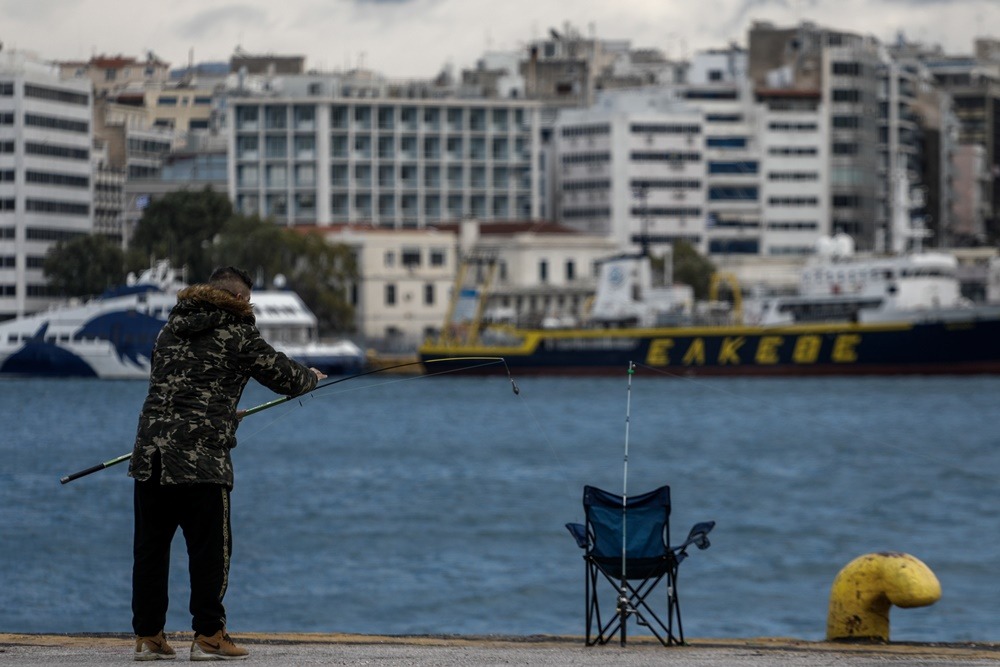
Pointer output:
691, 268
180, 226
84, 266
321, 275
251, 243
317, 271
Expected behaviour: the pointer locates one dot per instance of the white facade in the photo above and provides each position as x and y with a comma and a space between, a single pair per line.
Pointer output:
46, 186
795, 181
404, 284
546, 273
631, 167
733, 173
390, 161
407, 277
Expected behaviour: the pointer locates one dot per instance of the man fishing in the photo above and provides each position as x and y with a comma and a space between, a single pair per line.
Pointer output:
204, 356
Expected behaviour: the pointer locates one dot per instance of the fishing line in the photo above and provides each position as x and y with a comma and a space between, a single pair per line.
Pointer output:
858, 436
318, 392
550, 445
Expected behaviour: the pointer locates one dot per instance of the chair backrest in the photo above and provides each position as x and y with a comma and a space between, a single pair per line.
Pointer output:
645, 519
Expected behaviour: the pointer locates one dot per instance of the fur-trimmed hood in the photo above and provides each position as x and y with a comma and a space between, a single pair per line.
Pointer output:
203, 307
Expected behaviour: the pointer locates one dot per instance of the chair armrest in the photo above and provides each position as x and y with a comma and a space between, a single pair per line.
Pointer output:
698, 536
579, 533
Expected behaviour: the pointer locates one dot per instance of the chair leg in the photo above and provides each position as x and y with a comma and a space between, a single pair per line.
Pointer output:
623, 610
674, 609
631, 600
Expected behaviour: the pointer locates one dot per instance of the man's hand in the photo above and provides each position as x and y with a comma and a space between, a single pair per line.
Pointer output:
240, 414
320, 375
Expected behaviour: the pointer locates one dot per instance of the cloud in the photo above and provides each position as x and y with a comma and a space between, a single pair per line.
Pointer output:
37, 10
213, 22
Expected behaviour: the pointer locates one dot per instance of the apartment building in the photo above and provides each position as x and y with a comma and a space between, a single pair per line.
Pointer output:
734, 211
794, 175
974, 85
326, 150
109, 74
46, 182
545, 273
631, 168
534, 272
731, 170
845, 70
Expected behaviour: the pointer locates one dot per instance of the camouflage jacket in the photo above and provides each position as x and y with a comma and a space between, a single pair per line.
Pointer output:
203, 358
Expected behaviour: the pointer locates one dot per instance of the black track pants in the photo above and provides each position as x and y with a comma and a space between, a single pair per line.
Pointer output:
202, 513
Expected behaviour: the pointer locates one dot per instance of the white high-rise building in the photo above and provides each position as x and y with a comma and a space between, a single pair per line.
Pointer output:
46, 185
734, 172
795, 189
324, 151
631, 169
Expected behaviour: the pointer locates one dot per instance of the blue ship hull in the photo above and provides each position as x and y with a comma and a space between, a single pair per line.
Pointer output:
958, 346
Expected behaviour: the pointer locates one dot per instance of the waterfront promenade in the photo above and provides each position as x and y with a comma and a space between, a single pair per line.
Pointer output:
282, 650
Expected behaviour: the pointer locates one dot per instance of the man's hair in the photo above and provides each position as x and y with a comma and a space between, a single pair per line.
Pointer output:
230, 275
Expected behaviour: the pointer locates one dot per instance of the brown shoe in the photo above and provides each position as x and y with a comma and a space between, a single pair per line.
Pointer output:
153, 648
217, 647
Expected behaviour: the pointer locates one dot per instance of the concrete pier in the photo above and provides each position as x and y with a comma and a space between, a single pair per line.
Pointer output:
545, 651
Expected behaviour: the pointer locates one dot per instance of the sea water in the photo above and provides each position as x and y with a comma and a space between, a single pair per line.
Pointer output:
411, 505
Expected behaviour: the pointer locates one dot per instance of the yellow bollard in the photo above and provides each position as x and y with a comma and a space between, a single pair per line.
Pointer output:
865, 589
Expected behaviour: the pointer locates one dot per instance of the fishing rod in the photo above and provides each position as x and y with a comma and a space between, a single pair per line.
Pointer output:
285, 399
624, 607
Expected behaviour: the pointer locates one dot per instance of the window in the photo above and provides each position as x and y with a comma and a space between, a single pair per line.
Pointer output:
726, 142
411, 257
570, 271
847, 69
54, 95
305, 147
739, 167
846, 95
275, 118
429, 294
390, 294
846, 122
277, 176
543, 271
305, 175
276, 147
246, 148
732, 193
63, 124
305, 117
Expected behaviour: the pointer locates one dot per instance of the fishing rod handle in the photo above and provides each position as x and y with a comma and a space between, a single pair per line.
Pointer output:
93, 469
126, 457
265, 406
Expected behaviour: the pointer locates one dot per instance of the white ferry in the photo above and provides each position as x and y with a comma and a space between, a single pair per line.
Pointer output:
112, 336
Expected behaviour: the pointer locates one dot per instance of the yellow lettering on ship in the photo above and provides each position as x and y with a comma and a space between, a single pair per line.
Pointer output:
806, 349
843, 349
729, 352
767, 349
659, 352
696, 353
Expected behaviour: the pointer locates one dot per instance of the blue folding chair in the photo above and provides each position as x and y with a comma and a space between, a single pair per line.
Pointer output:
627, 542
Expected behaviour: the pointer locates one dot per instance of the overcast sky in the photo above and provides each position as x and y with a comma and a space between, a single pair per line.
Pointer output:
415, 38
